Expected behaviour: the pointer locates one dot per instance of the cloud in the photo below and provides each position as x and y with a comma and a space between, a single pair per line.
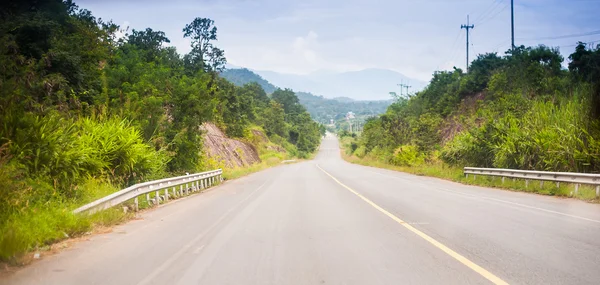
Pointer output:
305, 47
301, 36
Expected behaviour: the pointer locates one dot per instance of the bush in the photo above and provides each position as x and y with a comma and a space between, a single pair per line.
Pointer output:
116, 149
50, 164
380, 154
552, 137
407, 155
361, 151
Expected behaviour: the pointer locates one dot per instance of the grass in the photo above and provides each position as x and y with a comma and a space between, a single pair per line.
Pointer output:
268, 159
36, 226
444, 171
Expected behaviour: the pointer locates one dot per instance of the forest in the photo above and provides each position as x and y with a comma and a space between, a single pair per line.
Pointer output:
523, 110
321, 109
85, 112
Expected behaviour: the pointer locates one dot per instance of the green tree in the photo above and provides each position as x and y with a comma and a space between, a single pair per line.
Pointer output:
274, 120
204, 55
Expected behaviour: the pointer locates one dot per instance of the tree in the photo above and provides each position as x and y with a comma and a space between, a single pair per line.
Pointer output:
204, 55
288, 100
585, 66
149, 41
274, 118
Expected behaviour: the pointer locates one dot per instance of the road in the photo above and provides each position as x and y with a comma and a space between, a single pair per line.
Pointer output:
327, 221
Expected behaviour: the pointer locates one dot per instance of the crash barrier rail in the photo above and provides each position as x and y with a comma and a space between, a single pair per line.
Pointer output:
170, 187
568, 177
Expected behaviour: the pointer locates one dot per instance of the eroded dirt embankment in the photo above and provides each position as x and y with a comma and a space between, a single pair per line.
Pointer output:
230, 152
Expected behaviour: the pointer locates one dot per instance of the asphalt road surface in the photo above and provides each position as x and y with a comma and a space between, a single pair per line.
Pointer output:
326, 221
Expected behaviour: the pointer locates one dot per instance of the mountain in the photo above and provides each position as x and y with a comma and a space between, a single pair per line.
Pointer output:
323, 110
366, 84
241, 76
320, 108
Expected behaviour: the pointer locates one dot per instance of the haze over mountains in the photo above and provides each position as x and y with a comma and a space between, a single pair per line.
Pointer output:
366, 84
320, 108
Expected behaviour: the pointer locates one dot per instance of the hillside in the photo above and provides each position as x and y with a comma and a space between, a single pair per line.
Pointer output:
367, 84
323, 110
500, 114
84, 115
241, 76
320, 108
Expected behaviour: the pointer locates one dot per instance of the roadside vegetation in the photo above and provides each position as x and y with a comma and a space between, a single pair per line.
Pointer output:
522, 110
85, 112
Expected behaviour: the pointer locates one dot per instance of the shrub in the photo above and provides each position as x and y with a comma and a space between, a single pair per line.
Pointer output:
554, 137
407, 155
361, 151
380, 154
115, 148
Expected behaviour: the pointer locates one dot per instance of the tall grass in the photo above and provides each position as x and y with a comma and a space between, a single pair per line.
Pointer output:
445, 171
550, 135
51, 164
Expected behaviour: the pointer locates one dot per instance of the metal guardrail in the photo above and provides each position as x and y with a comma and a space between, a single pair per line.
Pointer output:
171, 187
567, 177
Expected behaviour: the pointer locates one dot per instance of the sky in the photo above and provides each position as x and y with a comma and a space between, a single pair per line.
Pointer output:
412, 37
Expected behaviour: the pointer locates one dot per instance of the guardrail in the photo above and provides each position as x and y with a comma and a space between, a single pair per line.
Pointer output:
567, 177
171, 187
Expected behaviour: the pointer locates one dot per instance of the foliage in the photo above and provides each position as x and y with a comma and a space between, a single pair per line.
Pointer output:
84, 113
407, 155
242, 76
455, 173
585, 65
324, 110
321, 109
204, 55
519, 111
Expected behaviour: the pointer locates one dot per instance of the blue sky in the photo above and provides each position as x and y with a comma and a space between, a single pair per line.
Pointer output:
411, 37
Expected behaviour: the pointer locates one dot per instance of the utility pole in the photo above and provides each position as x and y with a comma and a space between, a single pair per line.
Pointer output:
467, 27
401, 85
407, 86
512, 24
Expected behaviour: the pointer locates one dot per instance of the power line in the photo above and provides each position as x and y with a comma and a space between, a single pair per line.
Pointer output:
496, 47
453, 50
590, 44
486, 10
456, 52
487, 13
494, 15
563, 36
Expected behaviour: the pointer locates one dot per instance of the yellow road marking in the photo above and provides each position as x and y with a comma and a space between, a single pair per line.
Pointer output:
489, 276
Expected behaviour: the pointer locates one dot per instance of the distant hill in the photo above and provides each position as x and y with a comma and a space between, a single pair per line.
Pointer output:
320, 108
241, 76
366, 84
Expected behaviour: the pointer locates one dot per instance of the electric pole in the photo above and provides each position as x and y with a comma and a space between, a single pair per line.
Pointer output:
407, 86
401, 85
512, 23
467, 27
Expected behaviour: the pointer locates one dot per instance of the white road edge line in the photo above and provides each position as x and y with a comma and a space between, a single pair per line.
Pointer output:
457, 256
